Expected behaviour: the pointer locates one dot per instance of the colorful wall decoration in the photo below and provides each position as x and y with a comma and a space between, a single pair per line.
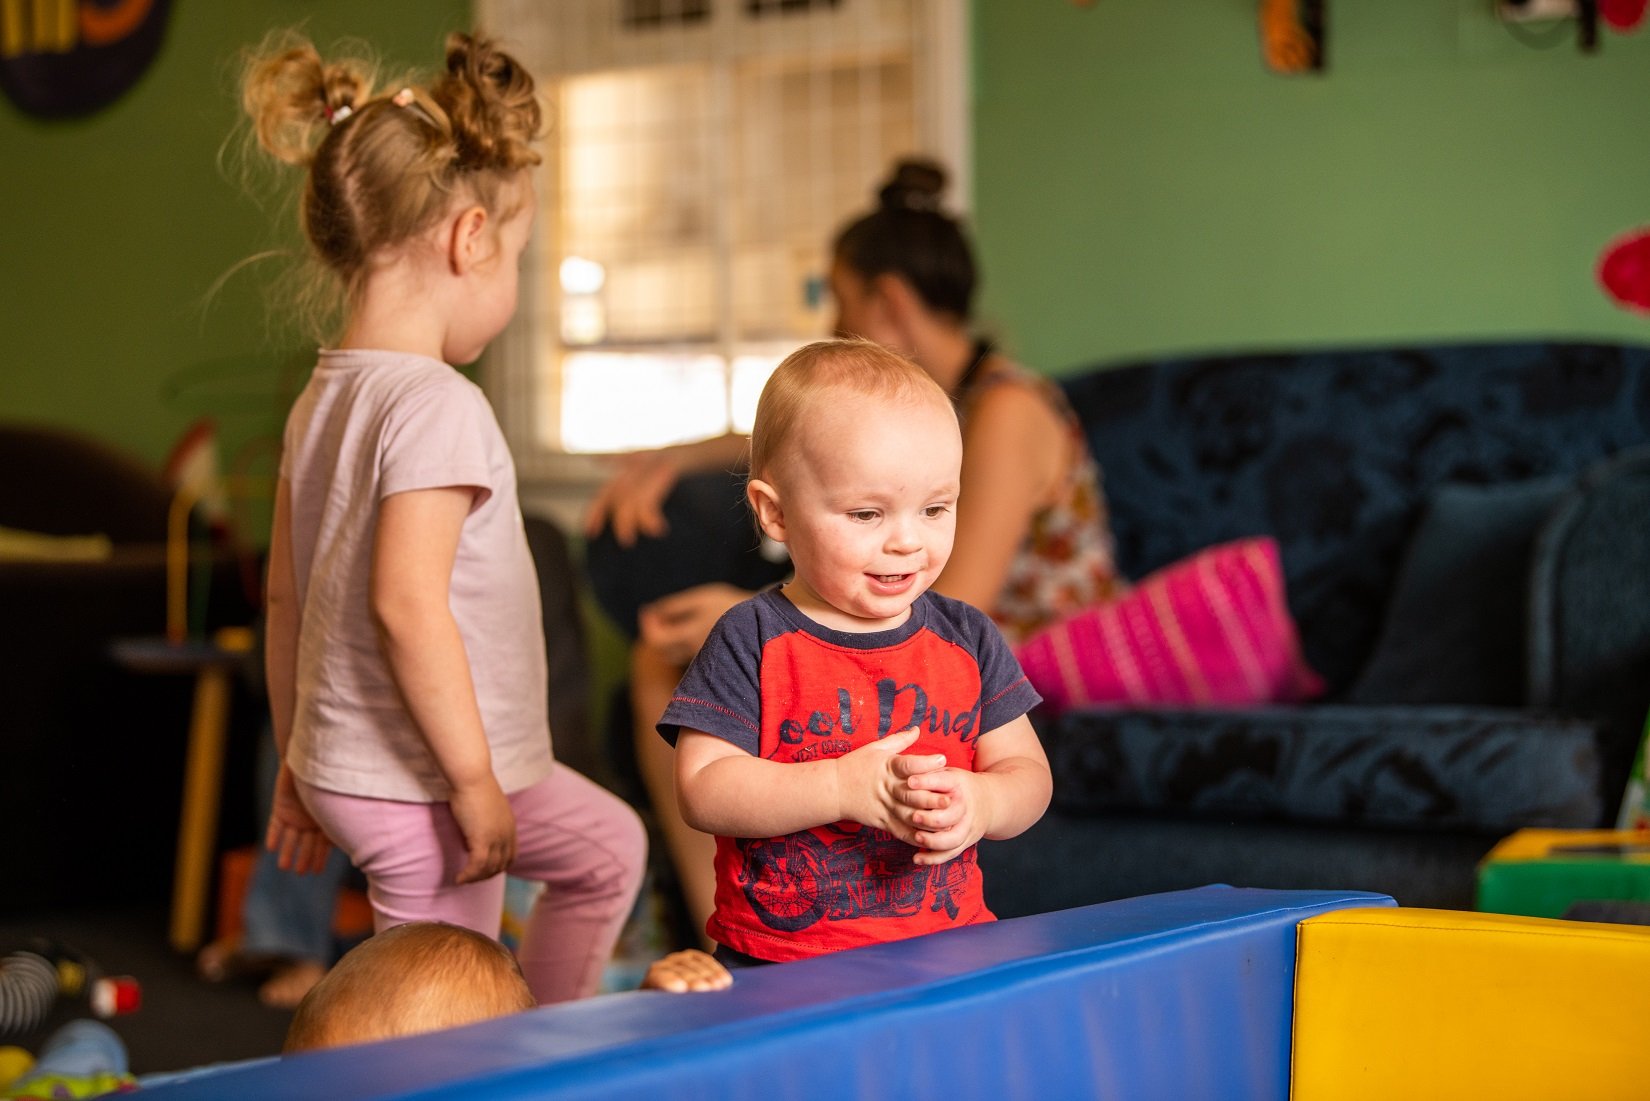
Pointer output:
71, 57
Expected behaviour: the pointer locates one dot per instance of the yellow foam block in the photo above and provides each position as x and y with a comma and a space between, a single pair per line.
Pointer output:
1449, 1004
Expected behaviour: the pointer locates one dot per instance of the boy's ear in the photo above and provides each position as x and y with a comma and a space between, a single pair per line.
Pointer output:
764, 501
467, 243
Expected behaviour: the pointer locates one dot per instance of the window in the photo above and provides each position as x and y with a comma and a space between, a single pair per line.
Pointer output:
700, 154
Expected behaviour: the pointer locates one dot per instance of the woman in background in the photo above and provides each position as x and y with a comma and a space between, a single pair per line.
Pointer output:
1032, 542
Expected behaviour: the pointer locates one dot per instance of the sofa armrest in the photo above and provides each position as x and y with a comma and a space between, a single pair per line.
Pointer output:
1589, 632
1479, 769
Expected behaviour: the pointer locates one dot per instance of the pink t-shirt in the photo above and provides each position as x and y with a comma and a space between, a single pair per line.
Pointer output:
370, 424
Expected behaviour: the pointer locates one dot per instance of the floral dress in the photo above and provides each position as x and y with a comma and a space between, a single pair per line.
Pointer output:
1066, 562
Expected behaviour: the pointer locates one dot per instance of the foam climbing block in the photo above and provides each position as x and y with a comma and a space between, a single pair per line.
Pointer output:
1542, 873
1448, 1004
1184, 995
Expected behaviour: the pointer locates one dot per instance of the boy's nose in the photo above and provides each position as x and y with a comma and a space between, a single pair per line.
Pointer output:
903, 537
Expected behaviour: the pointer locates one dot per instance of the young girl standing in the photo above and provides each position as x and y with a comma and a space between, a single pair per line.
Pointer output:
406, 653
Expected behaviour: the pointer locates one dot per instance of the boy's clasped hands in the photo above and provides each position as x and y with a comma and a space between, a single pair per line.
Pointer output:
916, 797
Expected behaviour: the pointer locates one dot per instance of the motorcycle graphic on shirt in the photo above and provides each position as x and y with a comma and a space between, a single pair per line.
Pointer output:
794, 881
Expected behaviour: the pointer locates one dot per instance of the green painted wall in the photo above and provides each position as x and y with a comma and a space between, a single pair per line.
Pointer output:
116, 226
1144, 185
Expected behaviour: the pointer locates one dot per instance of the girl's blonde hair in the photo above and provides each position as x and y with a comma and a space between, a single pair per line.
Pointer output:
807, 375
383, 165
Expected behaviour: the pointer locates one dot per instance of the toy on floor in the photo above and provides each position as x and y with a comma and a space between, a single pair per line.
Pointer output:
83, 1058
34, 977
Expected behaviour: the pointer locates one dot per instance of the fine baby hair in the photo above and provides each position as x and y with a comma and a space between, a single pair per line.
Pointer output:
413, 978
384, 164
856, 366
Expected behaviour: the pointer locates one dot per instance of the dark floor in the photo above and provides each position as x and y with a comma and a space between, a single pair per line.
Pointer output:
182, 1021
185, 1022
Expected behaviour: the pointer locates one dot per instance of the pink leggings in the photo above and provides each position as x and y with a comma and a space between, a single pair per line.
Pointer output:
585, 844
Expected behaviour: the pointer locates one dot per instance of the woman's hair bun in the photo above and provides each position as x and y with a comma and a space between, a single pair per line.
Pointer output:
491, 103
916, 184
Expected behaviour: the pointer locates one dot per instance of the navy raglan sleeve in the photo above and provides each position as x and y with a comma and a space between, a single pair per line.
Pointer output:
721, 692
1005, 693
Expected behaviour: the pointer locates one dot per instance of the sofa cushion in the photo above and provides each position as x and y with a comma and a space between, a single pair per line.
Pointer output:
1213, 629
1333, 452
1483, 769
1454, 627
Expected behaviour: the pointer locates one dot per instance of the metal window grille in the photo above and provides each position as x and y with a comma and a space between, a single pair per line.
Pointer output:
700, 154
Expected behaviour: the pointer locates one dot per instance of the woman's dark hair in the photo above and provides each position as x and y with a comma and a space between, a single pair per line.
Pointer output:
908, 235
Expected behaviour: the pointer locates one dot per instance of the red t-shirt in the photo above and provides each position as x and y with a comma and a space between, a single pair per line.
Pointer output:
775, 683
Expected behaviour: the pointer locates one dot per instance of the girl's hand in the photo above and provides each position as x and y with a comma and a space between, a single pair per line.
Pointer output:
631, 501
677, 625
293, 835
489, 827
687, 970
877, 789
946, 832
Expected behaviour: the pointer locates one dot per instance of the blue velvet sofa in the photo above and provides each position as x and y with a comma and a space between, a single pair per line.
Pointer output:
1465, 535
1464, 532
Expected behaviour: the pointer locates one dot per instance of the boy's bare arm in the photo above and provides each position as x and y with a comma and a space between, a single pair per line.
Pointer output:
1006, 794
726, 791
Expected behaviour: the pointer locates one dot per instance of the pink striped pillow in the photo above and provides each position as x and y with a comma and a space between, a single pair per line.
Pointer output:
1209, 630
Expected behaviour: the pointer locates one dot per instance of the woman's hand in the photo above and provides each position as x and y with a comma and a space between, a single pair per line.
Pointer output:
631, 502
632, 499
488, 824
295, 838
677, 625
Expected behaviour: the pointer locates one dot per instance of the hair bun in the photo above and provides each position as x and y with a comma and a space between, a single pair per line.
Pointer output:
916, 184
490, 100
291, 94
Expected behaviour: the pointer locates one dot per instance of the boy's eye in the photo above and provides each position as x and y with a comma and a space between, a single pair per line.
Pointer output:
934, 512
863, 516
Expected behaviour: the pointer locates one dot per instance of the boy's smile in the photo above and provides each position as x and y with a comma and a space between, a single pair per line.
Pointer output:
865, 498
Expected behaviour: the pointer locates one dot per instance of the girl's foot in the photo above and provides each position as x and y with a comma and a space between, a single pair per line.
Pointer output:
290, 982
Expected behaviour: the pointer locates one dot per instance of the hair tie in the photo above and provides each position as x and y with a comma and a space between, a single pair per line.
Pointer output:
408, 98
338, 114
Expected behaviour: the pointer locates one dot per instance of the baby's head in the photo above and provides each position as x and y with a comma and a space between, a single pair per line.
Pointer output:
856, 457
414, 978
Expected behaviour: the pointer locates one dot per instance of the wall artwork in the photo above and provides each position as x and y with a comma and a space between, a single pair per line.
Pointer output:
62, 58
1292, 35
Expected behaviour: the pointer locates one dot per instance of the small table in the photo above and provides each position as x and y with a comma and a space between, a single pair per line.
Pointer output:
212, 662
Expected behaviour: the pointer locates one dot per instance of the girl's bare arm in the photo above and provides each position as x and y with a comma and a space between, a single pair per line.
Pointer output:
414, 549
